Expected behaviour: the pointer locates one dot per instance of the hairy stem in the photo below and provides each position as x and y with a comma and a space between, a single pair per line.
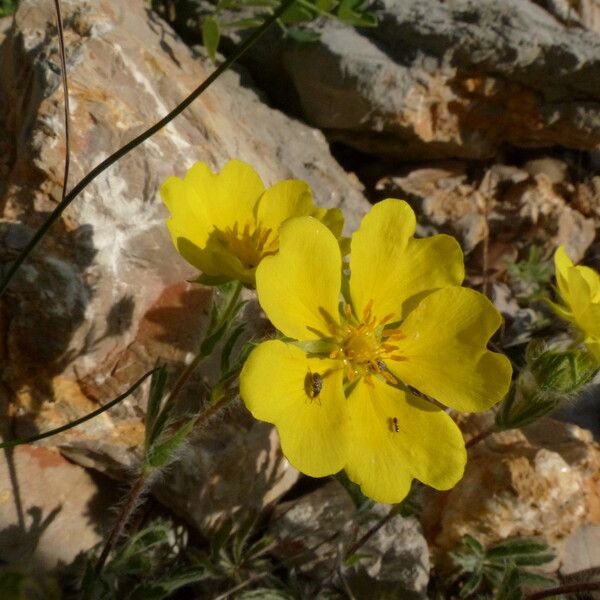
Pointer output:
131, 502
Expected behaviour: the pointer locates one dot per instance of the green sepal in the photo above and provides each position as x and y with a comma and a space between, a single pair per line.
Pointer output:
210, 280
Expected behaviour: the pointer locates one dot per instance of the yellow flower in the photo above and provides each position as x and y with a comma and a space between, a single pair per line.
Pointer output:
338, 391
224, 224
579, 289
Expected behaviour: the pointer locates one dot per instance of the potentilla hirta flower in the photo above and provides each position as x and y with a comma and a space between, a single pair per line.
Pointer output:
339, 388
579, 289
225, 223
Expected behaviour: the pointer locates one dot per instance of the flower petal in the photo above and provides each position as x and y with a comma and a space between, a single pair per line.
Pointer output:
427, 444
284, 200
562, 265
333, 218
593, 345
299, 287
444, 351
188, 225
273, 386
391, 271
229, 196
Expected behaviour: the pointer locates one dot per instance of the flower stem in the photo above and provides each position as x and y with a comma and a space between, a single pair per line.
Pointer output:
481, 436
395, 510
571, 588
189, 370
66, 426
129, 505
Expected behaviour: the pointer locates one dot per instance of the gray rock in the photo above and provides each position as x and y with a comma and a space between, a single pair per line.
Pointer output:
445, 79
106, 296
315, 531
581, 550
514, 207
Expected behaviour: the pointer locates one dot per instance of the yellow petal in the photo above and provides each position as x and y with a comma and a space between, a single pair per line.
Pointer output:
230, 196
273, 385
589, 320
188, 225
394, 436
299, 287
284, 200
593, 345
562, 266
333, 218
445, 353
391, 271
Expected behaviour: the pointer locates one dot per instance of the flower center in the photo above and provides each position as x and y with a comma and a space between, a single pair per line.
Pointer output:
365, 344
249, 243
361, 345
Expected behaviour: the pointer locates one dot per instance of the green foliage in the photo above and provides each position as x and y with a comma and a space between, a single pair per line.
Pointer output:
297, 22
211, 35
235, 552
148, 566
502, 570
531, 277
167, 426
17, 583
8, 7
548, 378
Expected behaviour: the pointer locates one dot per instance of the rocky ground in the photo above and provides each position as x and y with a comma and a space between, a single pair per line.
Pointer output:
484, 115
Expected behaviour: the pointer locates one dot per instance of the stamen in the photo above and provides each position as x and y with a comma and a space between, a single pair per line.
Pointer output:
389, 377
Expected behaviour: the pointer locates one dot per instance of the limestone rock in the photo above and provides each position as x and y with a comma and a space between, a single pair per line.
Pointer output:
50, 509
514, 206
442, 79
315, 530
516, 483
106, 295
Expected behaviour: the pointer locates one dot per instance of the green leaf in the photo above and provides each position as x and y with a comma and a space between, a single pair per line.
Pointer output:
163, 588
298, 13
303, 35
155, 397
228, 346
349, 12
473, 544
162, 452
211, 36
242, 24
510, 586
211, 280
471, 585
523, 549
326, 5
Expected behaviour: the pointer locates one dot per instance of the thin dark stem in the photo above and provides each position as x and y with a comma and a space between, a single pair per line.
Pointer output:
570, 588
127, 508
480, 436
63, 64
99, 411
395, 510
102, 166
